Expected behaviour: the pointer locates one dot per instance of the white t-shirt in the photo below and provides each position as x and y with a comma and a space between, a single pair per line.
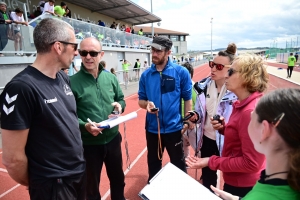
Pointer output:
16, 18
49, 8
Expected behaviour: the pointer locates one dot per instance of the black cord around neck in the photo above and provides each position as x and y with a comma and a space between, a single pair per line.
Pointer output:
265, 176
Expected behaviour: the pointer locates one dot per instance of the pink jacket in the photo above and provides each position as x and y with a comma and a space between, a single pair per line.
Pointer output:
240, 163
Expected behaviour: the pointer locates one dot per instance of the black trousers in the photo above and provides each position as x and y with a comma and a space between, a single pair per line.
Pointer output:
71, 188
3, 36
111, 155
289, 71
209, 148
173, 143
238, 191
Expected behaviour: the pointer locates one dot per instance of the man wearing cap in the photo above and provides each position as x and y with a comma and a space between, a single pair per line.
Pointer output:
162, 86
5, 19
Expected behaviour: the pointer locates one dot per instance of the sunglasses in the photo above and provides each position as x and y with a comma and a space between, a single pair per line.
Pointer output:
84, 53
219, 67
75, 45
231, 71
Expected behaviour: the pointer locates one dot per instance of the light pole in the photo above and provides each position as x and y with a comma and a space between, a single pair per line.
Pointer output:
211, 21
152, 22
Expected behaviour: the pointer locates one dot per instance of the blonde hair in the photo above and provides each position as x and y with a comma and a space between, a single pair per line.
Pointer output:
253, 72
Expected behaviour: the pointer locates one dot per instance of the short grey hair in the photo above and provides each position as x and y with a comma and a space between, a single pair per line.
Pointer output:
50, 30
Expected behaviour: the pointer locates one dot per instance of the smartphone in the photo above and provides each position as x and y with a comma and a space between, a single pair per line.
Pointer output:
154, 109
115, 112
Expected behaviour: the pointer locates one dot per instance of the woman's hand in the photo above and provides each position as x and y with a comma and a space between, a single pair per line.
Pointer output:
217, 125
224, 195
196, 163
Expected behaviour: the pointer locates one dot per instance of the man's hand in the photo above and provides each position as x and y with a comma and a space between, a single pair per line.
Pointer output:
196, 163
117, 106
93, 128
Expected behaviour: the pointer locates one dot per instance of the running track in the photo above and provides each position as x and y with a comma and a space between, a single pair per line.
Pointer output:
136, 177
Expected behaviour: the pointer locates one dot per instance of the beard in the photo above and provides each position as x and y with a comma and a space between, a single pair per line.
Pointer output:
158, 61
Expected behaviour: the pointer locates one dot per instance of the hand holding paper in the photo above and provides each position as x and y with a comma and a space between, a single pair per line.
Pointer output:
112, 122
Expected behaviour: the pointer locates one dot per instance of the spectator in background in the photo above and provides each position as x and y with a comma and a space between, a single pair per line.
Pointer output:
103, 63
112, 70
113, 25
291, 65
101, 23
132, 30
60, 11
136, 68
41, 5
174, 59
49, 7
296, 56
37, 12
68, 12
66, 70
146, 66
5, 19
141, 32
155, 35
18, 18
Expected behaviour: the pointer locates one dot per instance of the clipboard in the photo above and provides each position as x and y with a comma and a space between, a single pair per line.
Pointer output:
172, 183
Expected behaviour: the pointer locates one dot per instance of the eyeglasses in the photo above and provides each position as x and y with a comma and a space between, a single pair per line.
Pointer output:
219, 67
75, 45
84, 53
231, 71
152, 51
277, 119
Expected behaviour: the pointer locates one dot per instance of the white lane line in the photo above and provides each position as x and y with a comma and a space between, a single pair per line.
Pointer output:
130, 96
8, 191
127, 170
3, 170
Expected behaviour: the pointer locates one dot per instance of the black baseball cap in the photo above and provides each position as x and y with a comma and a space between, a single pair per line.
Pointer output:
161, 43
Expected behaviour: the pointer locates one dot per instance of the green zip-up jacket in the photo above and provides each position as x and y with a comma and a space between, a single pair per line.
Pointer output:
93, 98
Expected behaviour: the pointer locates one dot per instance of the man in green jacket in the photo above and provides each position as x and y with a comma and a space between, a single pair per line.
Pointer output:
291, 65
97, 94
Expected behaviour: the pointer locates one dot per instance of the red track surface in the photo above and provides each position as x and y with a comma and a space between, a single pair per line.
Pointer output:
136, 177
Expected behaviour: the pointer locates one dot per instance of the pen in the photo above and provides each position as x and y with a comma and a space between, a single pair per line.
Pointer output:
93, 124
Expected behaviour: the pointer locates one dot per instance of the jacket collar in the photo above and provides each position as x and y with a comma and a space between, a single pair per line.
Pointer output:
83, 69
153, 66
240, 104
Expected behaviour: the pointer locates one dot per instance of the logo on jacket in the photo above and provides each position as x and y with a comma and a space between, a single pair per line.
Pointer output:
50, 100
68, 90
9, 100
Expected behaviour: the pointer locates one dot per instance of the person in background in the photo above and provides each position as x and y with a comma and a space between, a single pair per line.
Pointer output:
42, 146
101, 23
37, 12
189, 129
291, 65
5, 20
213, 98
125, 67
174, 59
162, 87
18, 18
49, 7
101, 146
296, 56
136, 68
146, 66
275, 134
112, 70
60, 11
68, 12
66, 70
103, 63
141, 32
41, 5
240, 163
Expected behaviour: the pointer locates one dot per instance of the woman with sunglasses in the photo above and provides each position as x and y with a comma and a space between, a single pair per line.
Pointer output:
275, 133
213, 98
240, 163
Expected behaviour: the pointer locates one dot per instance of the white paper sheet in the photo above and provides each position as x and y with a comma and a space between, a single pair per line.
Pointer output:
172, 183
112, 122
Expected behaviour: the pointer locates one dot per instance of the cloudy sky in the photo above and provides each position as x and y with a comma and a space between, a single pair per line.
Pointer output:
248, 23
